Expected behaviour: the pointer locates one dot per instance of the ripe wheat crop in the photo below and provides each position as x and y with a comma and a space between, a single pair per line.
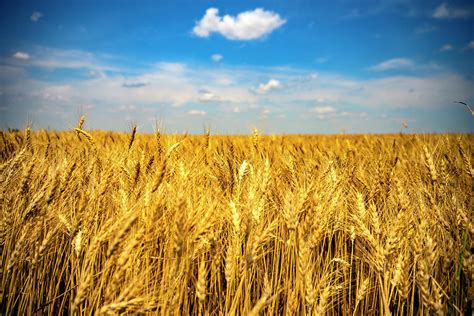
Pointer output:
98, 222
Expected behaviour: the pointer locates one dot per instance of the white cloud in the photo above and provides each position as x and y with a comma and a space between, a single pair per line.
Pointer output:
323, 110
443, 11
217, 57
197, 112
170, 85
395, 63
412, 91
36, 16
248, 25
172, 67
21, 56
446, 48
421, 91
59, 93
270, 85
207, 96
470, 45
264, 112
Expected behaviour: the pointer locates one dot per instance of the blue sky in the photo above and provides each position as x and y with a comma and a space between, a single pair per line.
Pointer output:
280, 66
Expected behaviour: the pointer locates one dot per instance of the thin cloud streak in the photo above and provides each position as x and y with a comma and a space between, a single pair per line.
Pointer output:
391, 64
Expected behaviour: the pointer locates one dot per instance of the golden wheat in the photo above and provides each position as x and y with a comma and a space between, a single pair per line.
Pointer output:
211, 225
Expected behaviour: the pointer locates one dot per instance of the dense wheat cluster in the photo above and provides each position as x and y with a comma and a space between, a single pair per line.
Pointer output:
101, 222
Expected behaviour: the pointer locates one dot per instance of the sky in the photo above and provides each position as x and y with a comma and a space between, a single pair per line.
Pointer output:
338, 66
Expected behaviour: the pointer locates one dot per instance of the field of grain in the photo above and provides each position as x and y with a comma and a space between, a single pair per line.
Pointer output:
235, 225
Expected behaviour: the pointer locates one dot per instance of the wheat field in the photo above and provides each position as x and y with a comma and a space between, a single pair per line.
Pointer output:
96, 222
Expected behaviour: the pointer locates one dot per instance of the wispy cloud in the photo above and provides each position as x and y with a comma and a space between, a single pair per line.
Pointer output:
272, 84
21, 56
54, 58
323, 110
402, 8
446, 48
36, 16
174, 89
248, 25
443, 11
217, 57
391, 64
197, 112
171, 67
470, 45
203, 91
61, 93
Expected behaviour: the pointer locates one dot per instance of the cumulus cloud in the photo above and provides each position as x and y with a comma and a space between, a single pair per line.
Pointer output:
391, 64
248, 25
270, 85
21, 56
443, 11
207, 96
197, 112
36, 16
323, 110
446, 48
217, 57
